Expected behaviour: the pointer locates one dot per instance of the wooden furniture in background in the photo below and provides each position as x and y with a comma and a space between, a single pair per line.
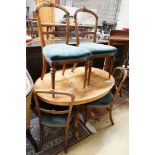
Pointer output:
54, 116
72, 83
119, 38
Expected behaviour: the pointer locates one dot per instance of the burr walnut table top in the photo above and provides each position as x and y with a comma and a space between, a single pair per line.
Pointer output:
99, 86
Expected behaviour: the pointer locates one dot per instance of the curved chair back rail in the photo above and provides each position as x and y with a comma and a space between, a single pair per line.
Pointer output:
76, 24
53, 111
50, 4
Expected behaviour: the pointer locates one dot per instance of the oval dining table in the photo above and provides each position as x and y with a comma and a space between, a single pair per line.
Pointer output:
72, 82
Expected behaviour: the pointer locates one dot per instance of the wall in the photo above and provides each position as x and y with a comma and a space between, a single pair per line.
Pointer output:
123, 18
106, 9
31, 4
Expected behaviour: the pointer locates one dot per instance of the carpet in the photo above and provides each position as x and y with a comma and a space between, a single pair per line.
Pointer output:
53, 138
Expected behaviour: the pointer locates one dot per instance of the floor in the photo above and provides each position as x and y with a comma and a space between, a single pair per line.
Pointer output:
108, 140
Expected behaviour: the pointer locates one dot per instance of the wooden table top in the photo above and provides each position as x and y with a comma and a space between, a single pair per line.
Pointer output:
99, 86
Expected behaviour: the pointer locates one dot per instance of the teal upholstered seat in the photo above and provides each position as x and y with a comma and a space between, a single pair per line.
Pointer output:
54, 120
64, 52
103, 101
98, 49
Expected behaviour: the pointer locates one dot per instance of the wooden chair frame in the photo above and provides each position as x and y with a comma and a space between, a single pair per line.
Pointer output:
42, 41
116, 91
90, 63
42, 110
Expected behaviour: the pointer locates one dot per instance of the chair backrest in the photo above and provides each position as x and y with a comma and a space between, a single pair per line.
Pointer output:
41, 110
119, 74
40, 24
76, 24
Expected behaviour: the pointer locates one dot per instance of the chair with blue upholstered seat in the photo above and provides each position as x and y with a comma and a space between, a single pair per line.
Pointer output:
119, 74
97, 50
54, 116
59, 54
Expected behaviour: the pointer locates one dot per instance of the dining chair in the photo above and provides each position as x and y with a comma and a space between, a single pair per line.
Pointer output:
54, 116
97, 50
62, 53
119, 74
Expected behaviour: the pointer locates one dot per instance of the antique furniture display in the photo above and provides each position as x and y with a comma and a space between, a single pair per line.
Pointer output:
29, 84
54, 116
119, 74
119, 39
71, 83
56, 54
97, 50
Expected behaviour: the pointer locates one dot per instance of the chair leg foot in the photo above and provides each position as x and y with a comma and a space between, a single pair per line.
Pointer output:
110, 115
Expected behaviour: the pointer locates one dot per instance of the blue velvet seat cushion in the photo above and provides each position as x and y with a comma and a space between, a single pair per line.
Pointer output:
98, 49
54, 120
103, 101
64, 52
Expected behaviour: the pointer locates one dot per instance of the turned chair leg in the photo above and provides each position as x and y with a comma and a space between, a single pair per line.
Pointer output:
64, 68
90, 63
85, 75
53, 70
29, 136
41, 137
44, 67
110, 115
74, 66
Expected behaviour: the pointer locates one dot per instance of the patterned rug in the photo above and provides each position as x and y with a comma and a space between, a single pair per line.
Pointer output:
53, 138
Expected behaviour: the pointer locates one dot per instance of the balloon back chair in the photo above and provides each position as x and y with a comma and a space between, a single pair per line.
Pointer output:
53, 116
62, 53
97, 50
119, 74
